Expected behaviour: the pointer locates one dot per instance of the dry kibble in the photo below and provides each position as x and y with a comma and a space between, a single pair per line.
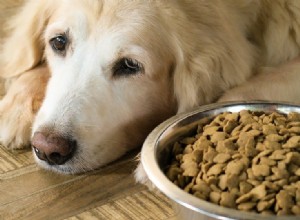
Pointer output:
218, 136
284, 200
222, 158
261, 170
199, 195
245, 187
269, 197
249, 161
264, 205
188, 187
247, 128
227, 200
232, 181
274, 137
234, 167
223, 181
293, 124
197, 155
243, 176
281, 165
205, 166
294, 130
254, 133
232, 116
269, 129
259, 191
188, 149
230, 125
246, 119
215, 169
210, 154
272, 145
267, 161
214, 188
210, 130
173, 172
278, 155
226, 146
249, 149
188, 140
244, 198
296, 209
293, 116
254, 182
212, 180
279, 174
215, 197
191, 171
284, 212
202, 144
293, 157
293, 142
271, 186
297, 172
297, 197
202, 187
281, 182
181, 181
246, 206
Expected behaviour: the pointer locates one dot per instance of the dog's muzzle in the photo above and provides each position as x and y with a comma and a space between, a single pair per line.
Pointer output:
54, 149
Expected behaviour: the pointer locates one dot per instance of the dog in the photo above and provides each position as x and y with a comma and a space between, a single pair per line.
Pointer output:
87, 80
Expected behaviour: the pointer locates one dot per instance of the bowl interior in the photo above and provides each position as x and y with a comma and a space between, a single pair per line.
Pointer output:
156, 154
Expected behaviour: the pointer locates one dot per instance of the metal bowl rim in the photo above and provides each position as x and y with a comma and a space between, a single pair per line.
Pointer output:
157, 177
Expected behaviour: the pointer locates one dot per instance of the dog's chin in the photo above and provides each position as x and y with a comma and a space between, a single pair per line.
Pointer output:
70, 167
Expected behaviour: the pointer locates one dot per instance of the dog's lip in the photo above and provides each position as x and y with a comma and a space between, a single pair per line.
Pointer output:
63, 169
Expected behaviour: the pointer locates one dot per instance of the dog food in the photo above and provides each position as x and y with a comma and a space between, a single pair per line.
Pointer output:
249, 161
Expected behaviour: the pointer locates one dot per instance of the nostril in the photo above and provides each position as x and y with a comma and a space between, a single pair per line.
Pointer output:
53, 148
41, 155
57, 158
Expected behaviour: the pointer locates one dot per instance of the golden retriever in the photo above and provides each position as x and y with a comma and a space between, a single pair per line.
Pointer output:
87, 80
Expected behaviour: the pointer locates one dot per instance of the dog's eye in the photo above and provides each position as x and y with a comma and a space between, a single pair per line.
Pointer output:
59, 43
127, 66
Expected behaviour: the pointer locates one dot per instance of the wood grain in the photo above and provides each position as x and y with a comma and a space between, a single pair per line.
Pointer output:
28, 192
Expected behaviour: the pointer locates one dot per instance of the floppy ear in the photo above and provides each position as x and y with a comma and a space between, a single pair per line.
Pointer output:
202, 77
192, 84
23, 48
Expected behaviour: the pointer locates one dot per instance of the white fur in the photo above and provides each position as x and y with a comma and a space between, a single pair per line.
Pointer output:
193, 53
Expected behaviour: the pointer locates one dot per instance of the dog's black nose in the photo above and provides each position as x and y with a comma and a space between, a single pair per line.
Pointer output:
53, 148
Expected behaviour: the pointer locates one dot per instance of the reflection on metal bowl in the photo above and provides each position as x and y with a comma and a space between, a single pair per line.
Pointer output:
156, 154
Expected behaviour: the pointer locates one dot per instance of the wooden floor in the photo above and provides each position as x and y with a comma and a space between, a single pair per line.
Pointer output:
27, 192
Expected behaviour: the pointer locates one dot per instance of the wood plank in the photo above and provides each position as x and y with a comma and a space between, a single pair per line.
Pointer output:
139, 206
12, 160
109, 191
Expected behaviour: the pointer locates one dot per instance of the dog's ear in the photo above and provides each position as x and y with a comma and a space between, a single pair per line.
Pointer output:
195, 82
23, 48
202, 78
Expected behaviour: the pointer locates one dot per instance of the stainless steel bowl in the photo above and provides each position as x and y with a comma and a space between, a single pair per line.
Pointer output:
156, 153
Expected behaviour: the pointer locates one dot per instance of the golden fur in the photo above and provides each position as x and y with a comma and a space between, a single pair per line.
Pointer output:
193, 53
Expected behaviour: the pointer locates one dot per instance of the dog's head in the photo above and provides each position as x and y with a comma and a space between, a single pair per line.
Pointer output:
110, 64
118, 68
